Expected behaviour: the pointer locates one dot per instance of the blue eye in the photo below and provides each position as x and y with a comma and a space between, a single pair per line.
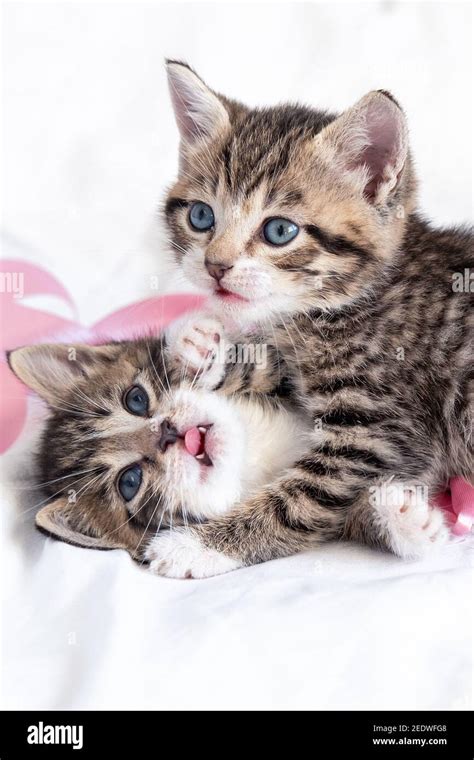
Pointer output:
201, 216
280, 231
130, 482
136, 401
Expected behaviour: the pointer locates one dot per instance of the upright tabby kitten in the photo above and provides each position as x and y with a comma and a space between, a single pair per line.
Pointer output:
301, 226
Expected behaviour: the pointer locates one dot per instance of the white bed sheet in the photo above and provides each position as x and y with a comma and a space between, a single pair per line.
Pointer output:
89, 145
343, 627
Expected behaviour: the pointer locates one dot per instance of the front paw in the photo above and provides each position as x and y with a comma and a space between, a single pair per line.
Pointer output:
181, 554
197, 348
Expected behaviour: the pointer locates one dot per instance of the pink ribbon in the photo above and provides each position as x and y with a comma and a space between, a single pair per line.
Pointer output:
458, 502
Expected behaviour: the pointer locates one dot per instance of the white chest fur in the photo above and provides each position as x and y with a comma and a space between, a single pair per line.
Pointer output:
275, 438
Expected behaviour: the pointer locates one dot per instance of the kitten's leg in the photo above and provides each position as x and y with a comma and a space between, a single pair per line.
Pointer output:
274, 524
306, 506
325, 496
294, 514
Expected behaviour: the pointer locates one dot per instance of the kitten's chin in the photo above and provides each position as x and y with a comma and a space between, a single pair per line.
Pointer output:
236, 308
245, 313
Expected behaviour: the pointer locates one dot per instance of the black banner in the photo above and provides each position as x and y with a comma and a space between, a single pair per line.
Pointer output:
373, 734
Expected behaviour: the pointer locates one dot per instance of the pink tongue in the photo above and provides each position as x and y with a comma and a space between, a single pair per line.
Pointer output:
192, 441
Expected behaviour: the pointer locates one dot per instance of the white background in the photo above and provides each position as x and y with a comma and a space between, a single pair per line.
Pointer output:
89, 143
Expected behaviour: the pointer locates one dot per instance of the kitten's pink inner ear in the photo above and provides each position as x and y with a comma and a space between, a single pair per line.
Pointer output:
384, 151
199, 112
371, 140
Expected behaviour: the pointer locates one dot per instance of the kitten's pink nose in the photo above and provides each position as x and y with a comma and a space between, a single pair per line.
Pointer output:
168, 435
218, 270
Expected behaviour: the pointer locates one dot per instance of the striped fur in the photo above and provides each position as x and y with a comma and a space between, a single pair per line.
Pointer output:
361, 307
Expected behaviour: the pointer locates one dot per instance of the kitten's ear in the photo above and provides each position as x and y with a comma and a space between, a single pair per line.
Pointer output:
51, 369
199, 112
63, 520
71, 523
370, 140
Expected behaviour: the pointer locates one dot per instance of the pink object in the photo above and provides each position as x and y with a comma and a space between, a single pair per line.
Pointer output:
23, 325
458, 502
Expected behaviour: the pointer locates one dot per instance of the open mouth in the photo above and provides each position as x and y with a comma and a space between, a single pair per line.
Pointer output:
195, 444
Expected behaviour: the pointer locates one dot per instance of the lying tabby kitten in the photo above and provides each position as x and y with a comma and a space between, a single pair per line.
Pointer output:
136, 440
301, 226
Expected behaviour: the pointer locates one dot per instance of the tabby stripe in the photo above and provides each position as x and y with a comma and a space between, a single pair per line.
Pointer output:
292, 197
173, 204
405, 450
461, 401
280, 510
316, 467
297, 261
354, 454
293, 268
351, 417
353, 382
284, 389
256, 182
226, 163
285, 197
337, 244
340, 383
228, 369
247, 375
317, 494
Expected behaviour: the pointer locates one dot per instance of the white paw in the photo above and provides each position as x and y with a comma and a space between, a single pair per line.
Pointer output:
180, 554
412, 527
198, 346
